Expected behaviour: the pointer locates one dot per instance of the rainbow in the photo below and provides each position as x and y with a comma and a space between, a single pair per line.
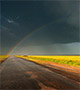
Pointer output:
14, 48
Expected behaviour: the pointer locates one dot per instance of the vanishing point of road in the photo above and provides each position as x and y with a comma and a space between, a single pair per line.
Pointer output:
20, 74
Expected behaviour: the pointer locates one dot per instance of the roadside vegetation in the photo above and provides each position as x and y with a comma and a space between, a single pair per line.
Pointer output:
66, 60
3, 58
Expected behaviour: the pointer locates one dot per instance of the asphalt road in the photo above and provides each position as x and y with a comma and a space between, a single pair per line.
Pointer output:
19, 74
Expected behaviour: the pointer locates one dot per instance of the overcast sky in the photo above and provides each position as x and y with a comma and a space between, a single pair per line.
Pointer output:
52, 27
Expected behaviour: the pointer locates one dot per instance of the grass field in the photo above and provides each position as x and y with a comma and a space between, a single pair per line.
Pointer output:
3, 58
66, 60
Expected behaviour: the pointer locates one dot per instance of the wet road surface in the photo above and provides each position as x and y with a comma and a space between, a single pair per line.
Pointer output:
19, 74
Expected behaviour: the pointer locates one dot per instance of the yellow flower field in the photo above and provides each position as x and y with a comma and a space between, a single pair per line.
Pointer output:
3, 57
68, 60
74, 58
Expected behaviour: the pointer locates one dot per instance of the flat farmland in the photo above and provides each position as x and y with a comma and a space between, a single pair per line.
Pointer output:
66, 60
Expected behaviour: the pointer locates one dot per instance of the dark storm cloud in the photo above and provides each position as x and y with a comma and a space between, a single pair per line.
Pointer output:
23, 17
54, 33
7, 39
67, 30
